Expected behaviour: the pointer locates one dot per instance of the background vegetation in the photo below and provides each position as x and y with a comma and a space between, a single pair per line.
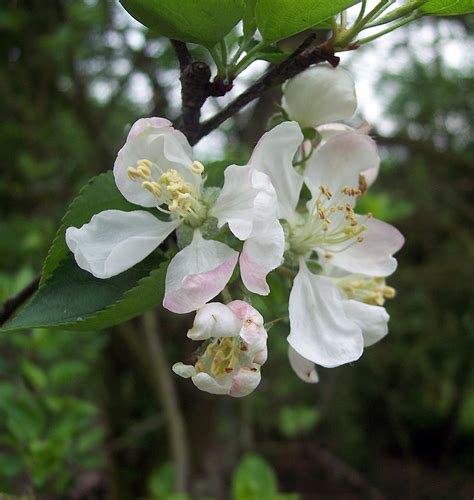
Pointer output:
95, 414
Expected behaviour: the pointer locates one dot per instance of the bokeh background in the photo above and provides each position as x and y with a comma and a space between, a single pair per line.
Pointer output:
89, 415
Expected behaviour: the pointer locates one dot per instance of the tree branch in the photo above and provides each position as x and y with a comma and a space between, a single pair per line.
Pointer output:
195, 83
148, 347
196, 87
424, 148
13, 303
303, 57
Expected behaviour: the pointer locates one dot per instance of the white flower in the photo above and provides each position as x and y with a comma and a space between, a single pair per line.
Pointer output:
358, 299
235, 350
321, 94
325, 325
155, 169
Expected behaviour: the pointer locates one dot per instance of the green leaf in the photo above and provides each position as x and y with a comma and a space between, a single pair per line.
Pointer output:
99, 194
200, 21
34, 374
74, 299
249, 21
215, 173
448, 7
254, 480
278, 19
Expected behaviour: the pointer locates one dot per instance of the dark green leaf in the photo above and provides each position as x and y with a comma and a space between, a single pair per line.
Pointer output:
99, 194
199, 21
74, 299
278, 19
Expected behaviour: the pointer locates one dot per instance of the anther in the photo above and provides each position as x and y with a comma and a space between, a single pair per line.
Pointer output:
197, 167
325, 192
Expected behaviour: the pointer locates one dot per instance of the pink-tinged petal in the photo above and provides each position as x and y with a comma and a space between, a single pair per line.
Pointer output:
252, 330
304, 368
245, 382
320, 329
206, 383
114, 241
144, 123
320, 94
273, 155
261, 254
215, 320
338, 163
373, 256
236, 202
197, 274
330, 130
260, 357
372, 319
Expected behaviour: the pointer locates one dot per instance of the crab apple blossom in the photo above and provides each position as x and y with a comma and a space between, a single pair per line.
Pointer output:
323, 328
155, 170
235, 349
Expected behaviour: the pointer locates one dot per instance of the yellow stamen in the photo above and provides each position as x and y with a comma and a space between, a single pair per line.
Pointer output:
197, 167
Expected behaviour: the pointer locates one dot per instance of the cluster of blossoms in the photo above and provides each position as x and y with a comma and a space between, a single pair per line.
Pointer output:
340, 258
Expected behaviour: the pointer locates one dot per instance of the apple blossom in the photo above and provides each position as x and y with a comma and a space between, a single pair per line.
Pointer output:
155, 169
236, 348
325, 325
358, 300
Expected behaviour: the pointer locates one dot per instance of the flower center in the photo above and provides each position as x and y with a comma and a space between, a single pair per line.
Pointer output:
170, 189
365, 289
329, 223
222, 356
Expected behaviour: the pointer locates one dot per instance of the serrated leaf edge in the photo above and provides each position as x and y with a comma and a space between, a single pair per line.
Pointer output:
77, 325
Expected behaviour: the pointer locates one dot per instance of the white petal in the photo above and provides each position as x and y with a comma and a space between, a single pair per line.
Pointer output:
215, 320
373, 256
144, 123
332, 129
304, 368
114, 241
339, 161
372, 319
329, 130
185, 371
262, 253
245, 382
235, 204
206, 383
320, 94
273, 155
261, 357
164, 146
320, 329
197, 274
252, 330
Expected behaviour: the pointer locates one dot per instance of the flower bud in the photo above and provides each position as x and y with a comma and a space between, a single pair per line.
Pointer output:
320, 94
214, 320
235, 349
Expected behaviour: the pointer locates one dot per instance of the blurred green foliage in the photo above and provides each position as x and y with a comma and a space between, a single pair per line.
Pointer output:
78, 415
